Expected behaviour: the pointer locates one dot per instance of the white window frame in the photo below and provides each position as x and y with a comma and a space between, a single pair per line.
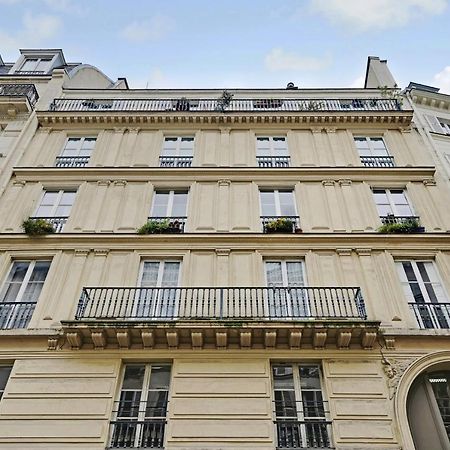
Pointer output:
178, 146
276, 193
298, 395
38, 61
79, 147
57, 202
272, 152
284, 274
144, 395
162, 263
391, 203
169, 208
26, 278
371, 146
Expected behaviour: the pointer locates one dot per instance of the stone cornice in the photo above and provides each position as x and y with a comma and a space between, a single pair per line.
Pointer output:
215, 174
421, 244
389, 119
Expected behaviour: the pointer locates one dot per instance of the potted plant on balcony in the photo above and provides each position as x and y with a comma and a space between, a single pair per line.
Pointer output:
37, 227
406, 227
281, 225
160, 227
224, 101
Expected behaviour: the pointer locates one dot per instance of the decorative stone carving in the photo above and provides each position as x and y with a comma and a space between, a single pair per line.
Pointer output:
394, 369
224, 182
429, 182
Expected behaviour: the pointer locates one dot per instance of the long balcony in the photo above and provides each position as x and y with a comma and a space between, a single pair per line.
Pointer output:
220, 316
214, 105
17, 98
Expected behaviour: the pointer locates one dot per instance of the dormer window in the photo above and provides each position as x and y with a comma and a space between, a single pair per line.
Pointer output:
35, 66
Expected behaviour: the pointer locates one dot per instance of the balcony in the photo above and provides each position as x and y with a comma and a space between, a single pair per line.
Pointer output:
17, 98
411, 223
15, 314
129, 433
273, 161
220, 316
71, 161
431, 315
165, 225
236, 105
175, 161
377, 161
57, 222
280, 224
303, 434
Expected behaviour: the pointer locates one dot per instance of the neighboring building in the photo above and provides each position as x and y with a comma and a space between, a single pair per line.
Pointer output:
265, 312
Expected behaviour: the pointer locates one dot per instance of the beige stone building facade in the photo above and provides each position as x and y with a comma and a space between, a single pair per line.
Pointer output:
263, 310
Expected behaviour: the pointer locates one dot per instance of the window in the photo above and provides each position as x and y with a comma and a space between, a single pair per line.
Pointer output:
392, 203
272, 152
424, 292
76, 152
373, 152
278, 203
177, 152
36, 65
169, 204
5, 372
55, 207
157, 297
291, 302
21, 291
300, 412
141, 411
445, 124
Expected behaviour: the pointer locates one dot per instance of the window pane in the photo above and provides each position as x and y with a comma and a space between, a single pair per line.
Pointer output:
309, 377
49, 198
134, 377
295, 273
150, 274
156, 403
283, 377
287, 207
5, 371
89, 143
160, 377
40, 271
273, 274
267, 203
160, 204
18, 271
179, 204
361, 143
29, 65
170, 274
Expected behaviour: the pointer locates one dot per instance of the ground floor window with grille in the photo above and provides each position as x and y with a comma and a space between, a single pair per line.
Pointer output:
139, 419
301, 413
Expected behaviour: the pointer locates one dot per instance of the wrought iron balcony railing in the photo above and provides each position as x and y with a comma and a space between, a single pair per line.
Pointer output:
15, 314
273, 161
377, 161
235, 105
221, 303
71, 161
57, 222
280, 224
20, 90
170, 225
431, 315
175, 161
304, 434
129, 433
390, 218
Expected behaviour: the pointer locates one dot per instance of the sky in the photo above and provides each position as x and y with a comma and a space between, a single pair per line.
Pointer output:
237, 43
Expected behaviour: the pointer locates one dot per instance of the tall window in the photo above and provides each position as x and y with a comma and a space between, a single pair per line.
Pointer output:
5, 372
37, 65
424, 292
373, 152
169, 209
55, 207
21, 291
158, 297
272, 151
141, 411
76, 152
392, 203
291, 302
300, 412
278, 203
177, 152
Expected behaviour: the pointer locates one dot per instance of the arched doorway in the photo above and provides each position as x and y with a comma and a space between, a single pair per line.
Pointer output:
428, 408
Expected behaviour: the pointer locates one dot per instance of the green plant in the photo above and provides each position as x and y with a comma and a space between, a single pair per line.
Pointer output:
154, 227
391, 93
224, 101
37, 227
281, 225
409, 226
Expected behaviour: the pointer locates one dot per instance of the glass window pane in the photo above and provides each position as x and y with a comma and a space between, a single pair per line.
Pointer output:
361, 143
49, 198
273, 273
89, 143
44, 211
170, 274
294, 273
287, 207
267, 203
160, 204
40, 271
179, 204
156, 403
134, 377
160, 377
309, 377
150, 274
283, 377
62, 211
5, 372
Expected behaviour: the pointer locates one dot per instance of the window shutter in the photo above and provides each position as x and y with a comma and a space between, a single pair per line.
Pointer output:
434, 124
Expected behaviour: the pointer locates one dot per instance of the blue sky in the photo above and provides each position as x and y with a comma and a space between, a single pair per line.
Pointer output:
238, 43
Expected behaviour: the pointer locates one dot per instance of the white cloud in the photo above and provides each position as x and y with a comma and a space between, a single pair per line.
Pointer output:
36, 29
442, 80
362, 15
279, 60
148, 30
66, 6
358, 82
